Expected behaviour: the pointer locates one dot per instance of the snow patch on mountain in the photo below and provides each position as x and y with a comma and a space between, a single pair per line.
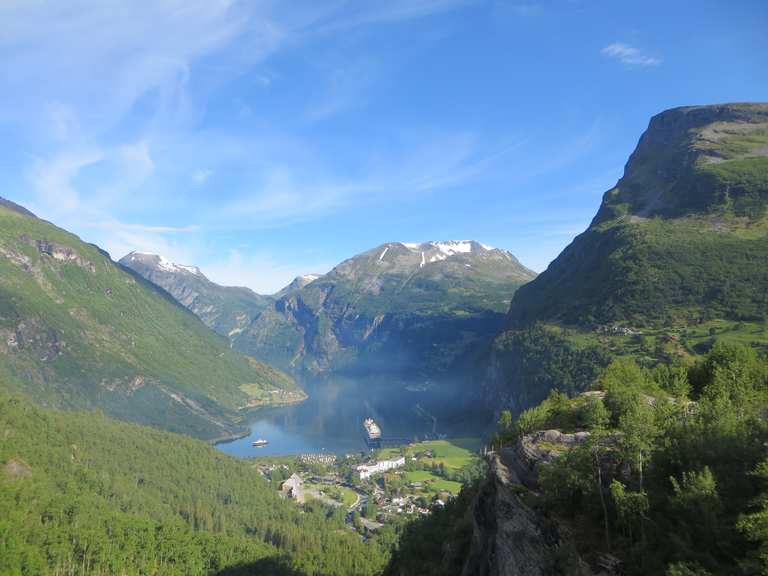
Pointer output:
451, 247
163, 263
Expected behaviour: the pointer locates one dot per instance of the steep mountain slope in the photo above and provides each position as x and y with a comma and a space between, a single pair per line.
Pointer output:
83, 494
413, 309
79, 331
677, 253
683, 234
224, 309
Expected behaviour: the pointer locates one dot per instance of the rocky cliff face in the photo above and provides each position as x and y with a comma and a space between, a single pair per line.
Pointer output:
510, 538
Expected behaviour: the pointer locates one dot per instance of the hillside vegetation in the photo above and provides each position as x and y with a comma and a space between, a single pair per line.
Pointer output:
83, 494
683, 236
664, 472
676, 256
78, 331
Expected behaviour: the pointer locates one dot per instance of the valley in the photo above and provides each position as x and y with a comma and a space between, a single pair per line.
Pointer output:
562, 423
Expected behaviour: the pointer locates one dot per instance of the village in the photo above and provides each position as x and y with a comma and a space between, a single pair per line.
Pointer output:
377, 487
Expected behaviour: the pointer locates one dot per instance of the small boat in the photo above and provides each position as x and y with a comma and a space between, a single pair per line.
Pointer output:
260, 442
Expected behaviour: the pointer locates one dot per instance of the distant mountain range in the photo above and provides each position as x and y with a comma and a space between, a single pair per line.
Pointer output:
81, 332
416, 311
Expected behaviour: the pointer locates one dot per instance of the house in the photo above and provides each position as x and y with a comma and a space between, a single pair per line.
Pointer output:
368, 470
293, 488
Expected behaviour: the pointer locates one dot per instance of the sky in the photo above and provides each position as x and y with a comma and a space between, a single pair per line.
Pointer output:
261, 140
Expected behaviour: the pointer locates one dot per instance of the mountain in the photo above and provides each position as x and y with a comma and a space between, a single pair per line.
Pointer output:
676, 256
404, 309
297, 284
78, 331
682, 236
226, 310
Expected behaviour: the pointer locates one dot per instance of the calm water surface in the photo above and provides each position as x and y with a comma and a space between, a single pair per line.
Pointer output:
331, 419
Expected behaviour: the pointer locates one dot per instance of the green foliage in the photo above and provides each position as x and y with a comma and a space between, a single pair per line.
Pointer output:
505, 420
567, 482
80, 493
685, 569
623, 381
436, 545
535, 360
594, 414
687, 482
673, 380
631, 507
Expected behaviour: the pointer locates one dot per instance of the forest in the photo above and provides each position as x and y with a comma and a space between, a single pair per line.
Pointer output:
83, 494
672, 480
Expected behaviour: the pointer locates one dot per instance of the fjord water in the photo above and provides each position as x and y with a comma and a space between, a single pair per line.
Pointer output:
330, 420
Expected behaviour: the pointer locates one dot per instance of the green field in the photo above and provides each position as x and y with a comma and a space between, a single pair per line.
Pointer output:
348, 496
433, 482
454, 454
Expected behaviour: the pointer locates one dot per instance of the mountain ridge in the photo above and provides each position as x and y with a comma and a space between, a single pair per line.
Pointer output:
371, 308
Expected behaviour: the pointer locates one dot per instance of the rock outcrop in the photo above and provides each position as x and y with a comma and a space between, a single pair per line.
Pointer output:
510, 538
525, 459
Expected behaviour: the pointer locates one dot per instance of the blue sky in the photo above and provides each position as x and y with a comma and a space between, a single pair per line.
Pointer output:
261, 140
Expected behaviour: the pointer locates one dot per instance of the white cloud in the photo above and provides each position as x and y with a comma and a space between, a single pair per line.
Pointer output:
53, 179
629, 55
135, 160
201, 175
390, 11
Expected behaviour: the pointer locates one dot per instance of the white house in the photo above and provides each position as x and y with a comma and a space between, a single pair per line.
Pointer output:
293, 487
368, 470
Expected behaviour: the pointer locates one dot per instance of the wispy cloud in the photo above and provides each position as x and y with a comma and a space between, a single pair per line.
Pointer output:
357, 13
629, 55
201, 175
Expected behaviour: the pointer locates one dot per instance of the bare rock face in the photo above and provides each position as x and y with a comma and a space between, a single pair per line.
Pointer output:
15, 468
510, 538
533, 450
34, 336
59, 252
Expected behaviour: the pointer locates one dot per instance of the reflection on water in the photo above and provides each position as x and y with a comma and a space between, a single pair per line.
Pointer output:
331, 419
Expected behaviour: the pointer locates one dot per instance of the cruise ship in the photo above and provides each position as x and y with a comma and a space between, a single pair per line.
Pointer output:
372, 430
